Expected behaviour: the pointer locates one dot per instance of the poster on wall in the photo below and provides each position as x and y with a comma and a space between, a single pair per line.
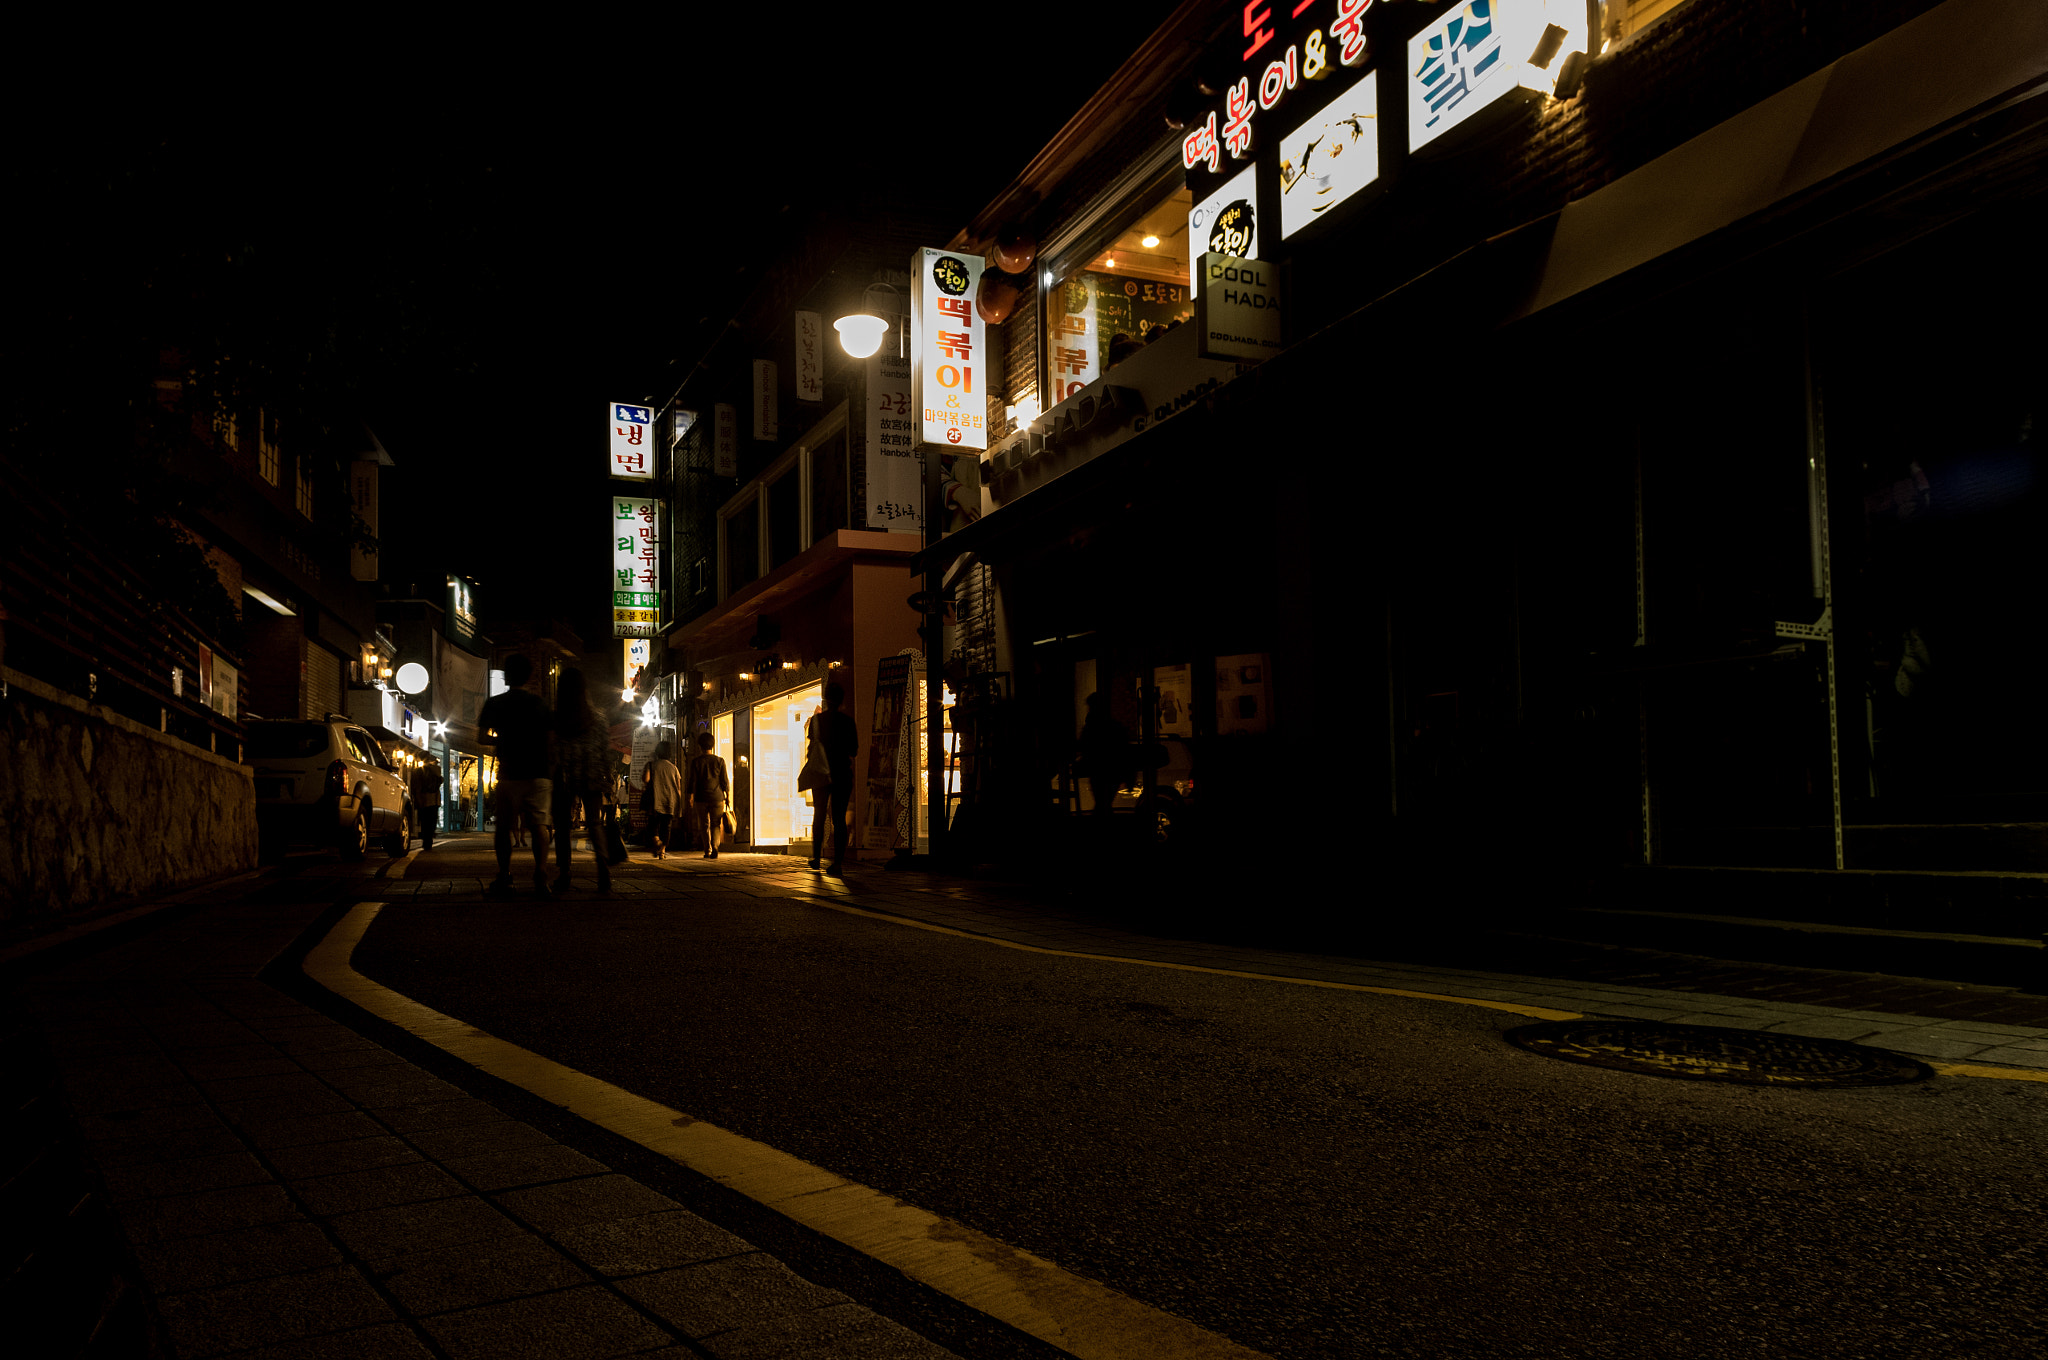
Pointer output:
949, 347
1333, 154
1176, 689
1244, 693
895, 472
887, 821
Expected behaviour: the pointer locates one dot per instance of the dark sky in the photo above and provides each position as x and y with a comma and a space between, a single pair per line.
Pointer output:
510, 228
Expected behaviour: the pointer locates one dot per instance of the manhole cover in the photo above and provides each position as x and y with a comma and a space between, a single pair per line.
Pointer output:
1706, 1053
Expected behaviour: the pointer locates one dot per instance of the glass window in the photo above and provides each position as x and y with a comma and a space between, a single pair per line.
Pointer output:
304, 495
266, 449
782, 812
742, 546
1118, 291
785, 516
828, 486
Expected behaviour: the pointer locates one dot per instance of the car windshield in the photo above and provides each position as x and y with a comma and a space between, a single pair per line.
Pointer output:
286, 741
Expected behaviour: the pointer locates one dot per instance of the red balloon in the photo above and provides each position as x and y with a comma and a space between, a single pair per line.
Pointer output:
995, 299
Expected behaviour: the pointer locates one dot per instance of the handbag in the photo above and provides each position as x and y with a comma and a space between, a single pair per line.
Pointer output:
732, 824
817, 771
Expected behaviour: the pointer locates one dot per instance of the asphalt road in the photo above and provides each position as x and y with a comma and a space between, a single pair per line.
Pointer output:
1312, 1173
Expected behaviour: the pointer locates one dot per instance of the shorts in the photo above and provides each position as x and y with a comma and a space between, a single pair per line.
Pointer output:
708, 807
529, 796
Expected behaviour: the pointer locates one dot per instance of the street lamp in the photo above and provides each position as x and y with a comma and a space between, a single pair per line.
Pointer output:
860, 334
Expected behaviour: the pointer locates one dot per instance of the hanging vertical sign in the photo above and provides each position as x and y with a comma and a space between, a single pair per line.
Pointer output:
639, 651
895, 475
725, 442
362, 490
636, 599
630, 444
949, 349
765, 424
810, 357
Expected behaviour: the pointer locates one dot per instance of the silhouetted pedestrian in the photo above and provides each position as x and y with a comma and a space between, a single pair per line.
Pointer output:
834, 737
517, 722
426, 800
580, 770
1105, 751
709, 787
664, 797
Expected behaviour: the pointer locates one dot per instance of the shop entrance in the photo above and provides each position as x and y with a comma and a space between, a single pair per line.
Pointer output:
781, 811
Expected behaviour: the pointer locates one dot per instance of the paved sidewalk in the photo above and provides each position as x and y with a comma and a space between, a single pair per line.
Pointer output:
294, 1191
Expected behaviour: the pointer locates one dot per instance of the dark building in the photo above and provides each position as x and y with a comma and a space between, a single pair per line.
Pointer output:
1646, 468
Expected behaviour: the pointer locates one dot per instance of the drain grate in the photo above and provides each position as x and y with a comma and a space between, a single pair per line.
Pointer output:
1708, 1053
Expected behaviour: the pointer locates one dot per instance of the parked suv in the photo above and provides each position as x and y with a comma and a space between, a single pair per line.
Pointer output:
326, 782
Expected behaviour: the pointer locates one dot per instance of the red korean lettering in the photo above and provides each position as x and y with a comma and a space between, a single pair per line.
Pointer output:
1257, 14
1200, 146
1069, 360
1237, 132
956, 344
959, 308
1280, 77
632, 433
1349, 27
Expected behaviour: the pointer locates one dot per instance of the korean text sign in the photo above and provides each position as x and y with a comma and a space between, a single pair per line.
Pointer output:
949, 349
635, 542
632, 449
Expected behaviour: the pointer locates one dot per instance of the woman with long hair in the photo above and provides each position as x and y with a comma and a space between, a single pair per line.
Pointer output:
581, 767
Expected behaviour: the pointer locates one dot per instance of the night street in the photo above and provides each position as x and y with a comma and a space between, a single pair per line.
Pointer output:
1232, 681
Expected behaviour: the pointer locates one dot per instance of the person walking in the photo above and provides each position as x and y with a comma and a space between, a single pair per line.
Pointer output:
517, 722
665, 783
710, 787
1105, 748
579, 773
833, 737
426, 800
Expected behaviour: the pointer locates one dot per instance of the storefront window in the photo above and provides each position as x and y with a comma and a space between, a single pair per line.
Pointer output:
782, 812
1117, 292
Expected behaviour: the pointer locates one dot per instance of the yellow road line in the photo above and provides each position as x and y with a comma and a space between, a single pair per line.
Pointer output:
1984, 1070
1512, 1008
1538, 1012
1086, 1319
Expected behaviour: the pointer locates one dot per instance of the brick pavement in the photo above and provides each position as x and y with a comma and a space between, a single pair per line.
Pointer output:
293, 1191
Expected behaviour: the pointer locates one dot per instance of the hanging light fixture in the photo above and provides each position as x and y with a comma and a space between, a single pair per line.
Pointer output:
861, 333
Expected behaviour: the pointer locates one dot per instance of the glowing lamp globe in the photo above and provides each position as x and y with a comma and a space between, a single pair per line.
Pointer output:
412, 677
860, 334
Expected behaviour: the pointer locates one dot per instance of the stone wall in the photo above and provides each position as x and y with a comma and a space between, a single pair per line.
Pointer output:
97, 810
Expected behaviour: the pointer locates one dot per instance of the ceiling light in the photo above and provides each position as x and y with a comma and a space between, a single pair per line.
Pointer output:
1149, 242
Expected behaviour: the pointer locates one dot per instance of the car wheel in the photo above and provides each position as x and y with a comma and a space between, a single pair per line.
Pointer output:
400, 841
355, 842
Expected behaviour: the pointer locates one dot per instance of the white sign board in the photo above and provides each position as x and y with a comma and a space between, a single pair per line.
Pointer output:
895, 471
1331, 156
630, 445
810, 357
1238, 309
949, 349
636, 597
1479, 54
1226, 222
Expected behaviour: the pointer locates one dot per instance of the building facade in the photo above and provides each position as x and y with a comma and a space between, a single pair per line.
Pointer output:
1577, 456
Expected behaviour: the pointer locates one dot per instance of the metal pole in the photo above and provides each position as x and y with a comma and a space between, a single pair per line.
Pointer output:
1817, 472
934, 644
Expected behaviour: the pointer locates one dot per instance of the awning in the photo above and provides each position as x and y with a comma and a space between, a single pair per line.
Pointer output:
1955, 62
